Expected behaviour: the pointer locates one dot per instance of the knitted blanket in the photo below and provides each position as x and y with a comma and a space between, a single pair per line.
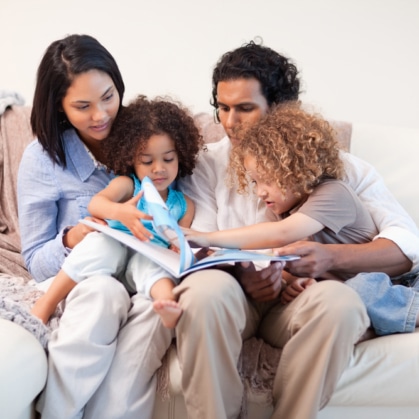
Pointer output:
16, 300
15, 134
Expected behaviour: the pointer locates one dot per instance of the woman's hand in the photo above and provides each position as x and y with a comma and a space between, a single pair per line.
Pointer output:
77, 233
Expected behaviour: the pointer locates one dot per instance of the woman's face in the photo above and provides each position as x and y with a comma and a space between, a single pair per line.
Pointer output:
91, 105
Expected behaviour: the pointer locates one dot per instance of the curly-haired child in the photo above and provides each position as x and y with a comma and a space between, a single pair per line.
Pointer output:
155, 138
291, 157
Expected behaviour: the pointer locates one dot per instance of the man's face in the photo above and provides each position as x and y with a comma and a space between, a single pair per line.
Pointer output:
240, 101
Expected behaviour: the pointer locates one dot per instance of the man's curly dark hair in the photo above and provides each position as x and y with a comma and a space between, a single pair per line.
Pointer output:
277, 75
142, 119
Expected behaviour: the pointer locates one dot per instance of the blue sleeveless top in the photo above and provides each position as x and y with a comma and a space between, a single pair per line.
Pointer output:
176, 203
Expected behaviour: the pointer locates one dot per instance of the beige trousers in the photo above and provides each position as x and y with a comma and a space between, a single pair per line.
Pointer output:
317, 332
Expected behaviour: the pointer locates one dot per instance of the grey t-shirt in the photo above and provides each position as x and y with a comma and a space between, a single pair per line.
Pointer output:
345, 218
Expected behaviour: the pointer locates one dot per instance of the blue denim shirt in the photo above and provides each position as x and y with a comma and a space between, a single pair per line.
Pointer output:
51, 198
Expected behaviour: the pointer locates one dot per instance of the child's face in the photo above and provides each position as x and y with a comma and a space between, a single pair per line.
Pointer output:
158, 161
269, 192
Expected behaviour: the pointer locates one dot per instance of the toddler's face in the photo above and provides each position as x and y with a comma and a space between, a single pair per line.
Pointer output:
159, 161
269, 192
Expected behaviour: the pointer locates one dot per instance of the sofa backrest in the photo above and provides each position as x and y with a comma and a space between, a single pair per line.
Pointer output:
392, 151
213, 132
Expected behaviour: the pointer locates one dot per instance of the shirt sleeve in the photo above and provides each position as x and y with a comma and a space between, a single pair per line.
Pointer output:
331, 204
390, 217
201, 188
38, 203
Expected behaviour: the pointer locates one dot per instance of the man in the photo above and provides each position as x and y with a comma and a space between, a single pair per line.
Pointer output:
327, 319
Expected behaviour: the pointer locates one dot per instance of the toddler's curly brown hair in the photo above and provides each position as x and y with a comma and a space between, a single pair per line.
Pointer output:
141, 119
292, 147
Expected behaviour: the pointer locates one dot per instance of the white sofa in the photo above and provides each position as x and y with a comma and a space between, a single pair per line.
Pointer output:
382, 379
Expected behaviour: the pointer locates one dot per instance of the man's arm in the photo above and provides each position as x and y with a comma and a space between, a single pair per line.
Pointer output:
392, 221
380, 255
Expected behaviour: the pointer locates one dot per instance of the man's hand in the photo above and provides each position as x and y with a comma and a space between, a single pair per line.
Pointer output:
380, 255
263, 285
315, 259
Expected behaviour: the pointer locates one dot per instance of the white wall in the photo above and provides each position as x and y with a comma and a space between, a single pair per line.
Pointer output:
358, 58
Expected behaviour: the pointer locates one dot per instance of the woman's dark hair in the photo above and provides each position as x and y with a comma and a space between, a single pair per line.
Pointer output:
278, 76
62, 62
139, 121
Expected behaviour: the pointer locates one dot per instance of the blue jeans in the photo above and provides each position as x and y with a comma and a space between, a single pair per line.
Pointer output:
392, 308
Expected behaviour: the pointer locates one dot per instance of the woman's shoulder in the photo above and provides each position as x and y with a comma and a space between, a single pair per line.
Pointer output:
34, 153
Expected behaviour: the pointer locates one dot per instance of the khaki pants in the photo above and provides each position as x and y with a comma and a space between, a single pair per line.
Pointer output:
317, 332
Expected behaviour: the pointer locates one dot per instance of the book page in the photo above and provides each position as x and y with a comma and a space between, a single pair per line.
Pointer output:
165, 224
166, 258
221, 256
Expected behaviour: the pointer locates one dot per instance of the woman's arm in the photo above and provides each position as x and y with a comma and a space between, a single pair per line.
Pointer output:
51, 199
38, 205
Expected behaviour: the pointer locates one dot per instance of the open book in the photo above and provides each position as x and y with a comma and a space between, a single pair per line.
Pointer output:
182, 262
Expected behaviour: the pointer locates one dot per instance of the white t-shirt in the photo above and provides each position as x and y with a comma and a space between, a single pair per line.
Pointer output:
218, 207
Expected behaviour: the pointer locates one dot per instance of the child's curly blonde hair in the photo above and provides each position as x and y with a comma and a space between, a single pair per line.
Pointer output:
292, 147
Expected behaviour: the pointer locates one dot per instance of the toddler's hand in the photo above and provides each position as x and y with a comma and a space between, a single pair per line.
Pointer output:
295, 288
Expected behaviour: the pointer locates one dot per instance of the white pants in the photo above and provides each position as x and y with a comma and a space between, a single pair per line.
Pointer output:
99, 254
104, 354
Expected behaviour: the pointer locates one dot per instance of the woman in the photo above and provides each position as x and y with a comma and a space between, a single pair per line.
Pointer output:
95, 355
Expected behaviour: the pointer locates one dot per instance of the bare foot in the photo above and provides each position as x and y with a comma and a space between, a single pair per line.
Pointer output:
169, 312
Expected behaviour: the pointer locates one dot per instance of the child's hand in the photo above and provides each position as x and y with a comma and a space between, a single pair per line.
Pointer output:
129, 215
295, 288
196, 238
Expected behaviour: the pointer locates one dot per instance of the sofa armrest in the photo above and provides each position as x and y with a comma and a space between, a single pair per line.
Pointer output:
23, 370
